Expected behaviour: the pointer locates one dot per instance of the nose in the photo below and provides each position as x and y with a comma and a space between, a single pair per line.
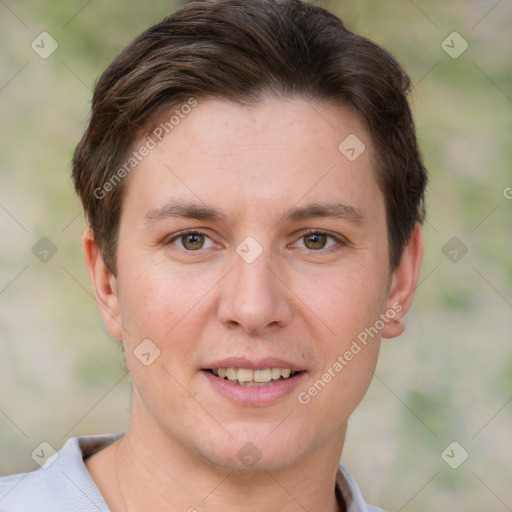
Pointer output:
254, 296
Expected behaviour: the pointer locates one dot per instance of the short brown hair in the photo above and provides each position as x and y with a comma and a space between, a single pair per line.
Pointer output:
243, 51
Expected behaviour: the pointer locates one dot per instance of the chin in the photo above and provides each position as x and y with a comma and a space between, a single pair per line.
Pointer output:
250, 460
254, 450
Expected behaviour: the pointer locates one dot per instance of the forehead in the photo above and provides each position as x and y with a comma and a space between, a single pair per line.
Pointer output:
243, 158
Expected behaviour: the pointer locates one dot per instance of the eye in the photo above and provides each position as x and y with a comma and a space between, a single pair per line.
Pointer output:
191, 240
314, 241
317, 240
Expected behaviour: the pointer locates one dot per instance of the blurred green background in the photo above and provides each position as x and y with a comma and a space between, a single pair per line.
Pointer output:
448, 378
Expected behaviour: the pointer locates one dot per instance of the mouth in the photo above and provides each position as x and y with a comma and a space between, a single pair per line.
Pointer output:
248, 377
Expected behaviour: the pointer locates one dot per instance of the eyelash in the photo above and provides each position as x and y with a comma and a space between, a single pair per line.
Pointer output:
339, 241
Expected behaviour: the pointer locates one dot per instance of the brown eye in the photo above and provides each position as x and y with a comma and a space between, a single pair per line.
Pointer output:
319, 241
315, 241
192, 241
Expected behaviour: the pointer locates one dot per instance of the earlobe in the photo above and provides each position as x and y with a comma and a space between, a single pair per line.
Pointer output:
104, 284
403, 284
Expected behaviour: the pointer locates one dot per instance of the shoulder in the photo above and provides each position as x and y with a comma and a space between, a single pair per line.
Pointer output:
61, 484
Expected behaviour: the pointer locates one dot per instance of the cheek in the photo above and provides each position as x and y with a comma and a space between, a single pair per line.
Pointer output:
346, 301
169, 308
348, 308
158, 300
162, 316
345, 390
348, 362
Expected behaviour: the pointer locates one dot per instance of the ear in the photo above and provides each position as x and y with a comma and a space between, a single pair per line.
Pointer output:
104, 284
403, 284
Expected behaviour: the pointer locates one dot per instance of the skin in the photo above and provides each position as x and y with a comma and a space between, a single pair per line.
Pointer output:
302, 300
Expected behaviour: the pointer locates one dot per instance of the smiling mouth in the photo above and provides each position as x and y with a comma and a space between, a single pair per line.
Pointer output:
247, 377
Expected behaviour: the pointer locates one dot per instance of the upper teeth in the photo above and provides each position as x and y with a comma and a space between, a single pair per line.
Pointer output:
248, 375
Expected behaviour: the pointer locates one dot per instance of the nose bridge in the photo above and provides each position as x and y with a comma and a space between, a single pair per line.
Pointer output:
253, 296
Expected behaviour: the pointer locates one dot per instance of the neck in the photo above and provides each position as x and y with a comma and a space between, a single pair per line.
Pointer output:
153, 472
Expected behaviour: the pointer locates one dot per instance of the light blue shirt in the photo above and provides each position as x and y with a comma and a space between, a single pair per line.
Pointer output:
63, 484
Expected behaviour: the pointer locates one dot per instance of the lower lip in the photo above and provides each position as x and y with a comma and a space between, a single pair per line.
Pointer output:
255, 395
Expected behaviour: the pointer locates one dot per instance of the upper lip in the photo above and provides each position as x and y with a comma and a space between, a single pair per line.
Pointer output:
260, 364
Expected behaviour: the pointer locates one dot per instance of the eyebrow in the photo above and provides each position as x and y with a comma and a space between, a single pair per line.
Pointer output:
335, 210
186, 211
203, 212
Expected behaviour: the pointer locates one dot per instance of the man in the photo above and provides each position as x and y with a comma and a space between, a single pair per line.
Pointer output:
254, 193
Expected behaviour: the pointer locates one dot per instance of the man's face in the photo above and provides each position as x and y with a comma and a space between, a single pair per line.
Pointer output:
257, 288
